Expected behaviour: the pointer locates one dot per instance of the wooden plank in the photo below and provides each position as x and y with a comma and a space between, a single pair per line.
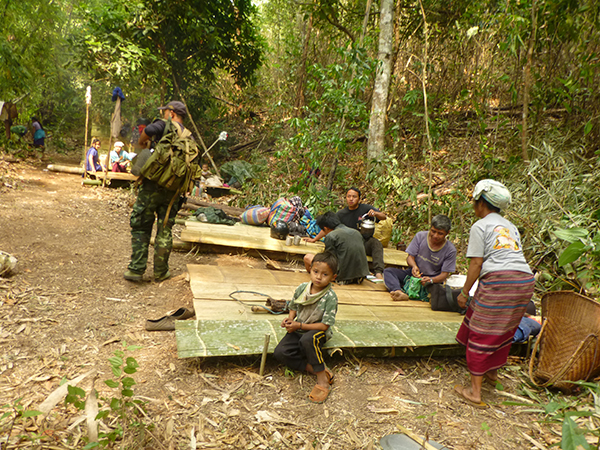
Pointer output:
217, 283
205, 338
206, 274
114, 176
253, 237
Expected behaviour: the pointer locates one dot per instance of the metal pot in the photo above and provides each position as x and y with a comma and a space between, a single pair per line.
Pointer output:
367, 224
367, 227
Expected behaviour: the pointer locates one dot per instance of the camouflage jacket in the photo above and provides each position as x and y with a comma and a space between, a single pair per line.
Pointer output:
323, 311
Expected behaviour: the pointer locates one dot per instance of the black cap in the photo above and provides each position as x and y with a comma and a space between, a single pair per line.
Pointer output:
177, 107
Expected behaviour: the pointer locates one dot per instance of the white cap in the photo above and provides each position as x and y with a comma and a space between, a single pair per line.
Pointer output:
119, 144
494, 192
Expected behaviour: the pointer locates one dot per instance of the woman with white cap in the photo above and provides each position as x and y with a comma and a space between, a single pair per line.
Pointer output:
119, 158
505, 287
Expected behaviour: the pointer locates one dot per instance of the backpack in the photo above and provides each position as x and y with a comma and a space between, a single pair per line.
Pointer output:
174, 162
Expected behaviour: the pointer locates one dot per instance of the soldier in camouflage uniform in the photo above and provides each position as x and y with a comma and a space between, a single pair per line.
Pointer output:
312, 313
152, 202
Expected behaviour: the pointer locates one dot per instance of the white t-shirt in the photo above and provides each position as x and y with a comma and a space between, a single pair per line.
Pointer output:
498, 242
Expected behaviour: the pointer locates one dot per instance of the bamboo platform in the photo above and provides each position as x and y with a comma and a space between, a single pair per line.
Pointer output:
258, 238
366, 319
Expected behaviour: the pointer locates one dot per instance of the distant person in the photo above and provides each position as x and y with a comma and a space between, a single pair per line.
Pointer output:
119, 158
503, 293
346, 244
39, 134
431, 257
308, 325
92, 158
352, 216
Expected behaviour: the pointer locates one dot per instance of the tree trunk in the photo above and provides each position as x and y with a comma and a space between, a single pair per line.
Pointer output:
376, 142
527, 82
299, 104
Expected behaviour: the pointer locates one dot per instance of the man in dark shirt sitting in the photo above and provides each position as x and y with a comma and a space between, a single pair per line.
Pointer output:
351, 216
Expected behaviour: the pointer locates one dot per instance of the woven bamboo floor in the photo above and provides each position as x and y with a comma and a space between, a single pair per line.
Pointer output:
367, 318
258, 238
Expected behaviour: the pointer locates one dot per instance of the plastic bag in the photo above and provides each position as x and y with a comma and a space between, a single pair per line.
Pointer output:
414, 289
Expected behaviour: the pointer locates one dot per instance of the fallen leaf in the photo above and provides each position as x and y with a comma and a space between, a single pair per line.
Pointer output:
59, 393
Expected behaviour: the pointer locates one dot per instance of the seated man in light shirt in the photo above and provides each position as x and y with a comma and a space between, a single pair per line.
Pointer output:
431, 258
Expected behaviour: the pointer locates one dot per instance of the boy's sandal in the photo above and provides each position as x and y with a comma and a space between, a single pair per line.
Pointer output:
319, 394
330, 376
460, 390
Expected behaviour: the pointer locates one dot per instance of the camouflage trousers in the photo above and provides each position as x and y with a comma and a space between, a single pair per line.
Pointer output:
152, 202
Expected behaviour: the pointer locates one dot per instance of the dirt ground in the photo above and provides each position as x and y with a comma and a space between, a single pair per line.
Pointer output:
67, 309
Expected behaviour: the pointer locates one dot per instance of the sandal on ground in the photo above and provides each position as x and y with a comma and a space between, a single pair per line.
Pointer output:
330, 376
319, 394
460, 390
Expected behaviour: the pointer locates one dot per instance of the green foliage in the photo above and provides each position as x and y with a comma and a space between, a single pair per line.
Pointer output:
566, 409
584, 248
122, 408
333, 118
10, 414
242, 171
152, 41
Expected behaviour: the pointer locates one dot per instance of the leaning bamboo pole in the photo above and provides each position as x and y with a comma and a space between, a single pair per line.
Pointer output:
195, 127
88, 100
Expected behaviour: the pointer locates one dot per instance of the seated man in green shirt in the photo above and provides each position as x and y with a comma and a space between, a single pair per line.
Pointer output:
347, 245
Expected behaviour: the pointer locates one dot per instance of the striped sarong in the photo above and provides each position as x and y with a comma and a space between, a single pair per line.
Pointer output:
493, 317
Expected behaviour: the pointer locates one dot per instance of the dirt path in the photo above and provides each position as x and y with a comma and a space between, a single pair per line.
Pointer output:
68, 308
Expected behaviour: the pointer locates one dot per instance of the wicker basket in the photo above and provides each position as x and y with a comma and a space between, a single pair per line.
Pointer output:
569, 342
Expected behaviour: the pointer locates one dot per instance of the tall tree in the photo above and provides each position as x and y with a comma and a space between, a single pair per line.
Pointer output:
381, 88
191, 39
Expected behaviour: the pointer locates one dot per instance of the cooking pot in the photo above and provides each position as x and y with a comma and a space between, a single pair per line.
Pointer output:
367, 227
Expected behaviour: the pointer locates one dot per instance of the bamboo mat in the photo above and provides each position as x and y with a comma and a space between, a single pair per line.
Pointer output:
253, 237
205, 338
366, 315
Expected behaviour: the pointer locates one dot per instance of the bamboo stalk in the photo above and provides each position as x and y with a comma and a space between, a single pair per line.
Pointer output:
87, 117
426, 111
263, 359
195, 127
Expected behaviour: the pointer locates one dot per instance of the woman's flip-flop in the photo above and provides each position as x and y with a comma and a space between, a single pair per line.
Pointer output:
330, 376
460, 390
319, 394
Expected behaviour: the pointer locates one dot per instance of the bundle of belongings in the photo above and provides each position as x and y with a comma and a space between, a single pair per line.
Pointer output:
298, 218
214, 215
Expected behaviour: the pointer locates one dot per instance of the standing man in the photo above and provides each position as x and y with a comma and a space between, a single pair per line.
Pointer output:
153, 202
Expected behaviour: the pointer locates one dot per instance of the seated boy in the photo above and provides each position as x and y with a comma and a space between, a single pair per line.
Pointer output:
347, 245
312, 313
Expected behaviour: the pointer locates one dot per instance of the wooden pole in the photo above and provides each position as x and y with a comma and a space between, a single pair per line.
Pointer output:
426, 111
195, 127
263, 360
88, 100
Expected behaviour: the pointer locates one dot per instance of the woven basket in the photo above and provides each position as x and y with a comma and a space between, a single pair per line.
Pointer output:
569, 342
